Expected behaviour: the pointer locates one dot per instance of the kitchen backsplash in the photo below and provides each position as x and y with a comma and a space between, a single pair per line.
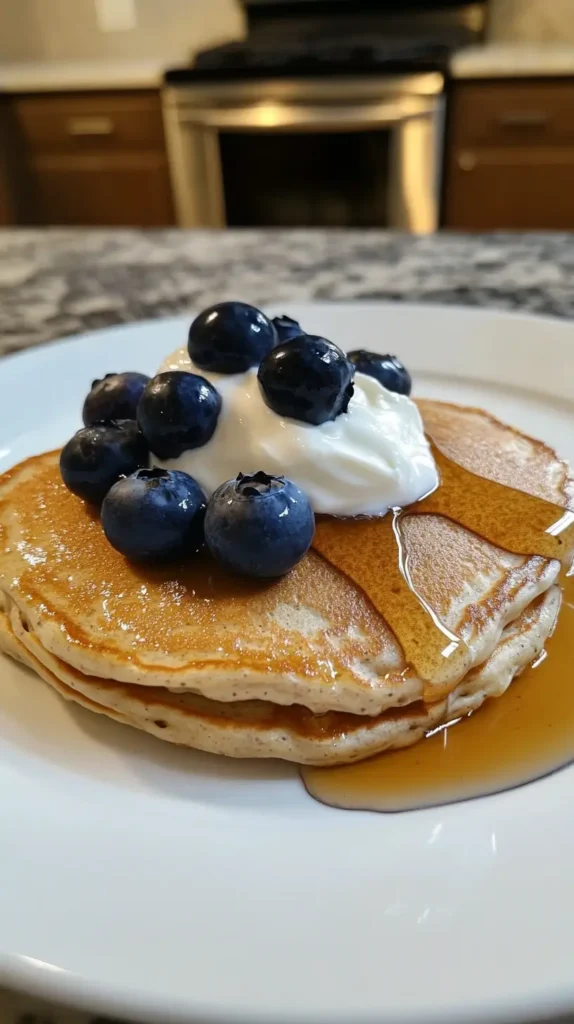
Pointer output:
69, 30
532, 21
174, 29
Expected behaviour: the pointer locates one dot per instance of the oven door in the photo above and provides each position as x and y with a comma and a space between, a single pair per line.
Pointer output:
356, 154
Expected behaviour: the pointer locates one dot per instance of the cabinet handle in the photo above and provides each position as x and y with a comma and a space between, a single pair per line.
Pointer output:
467, 160
524, 119
90, 126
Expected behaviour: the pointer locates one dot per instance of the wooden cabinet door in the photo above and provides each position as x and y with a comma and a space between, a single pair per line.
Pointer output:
7, 197
6, 207
510, 156
129, 190
93, 159
492, 189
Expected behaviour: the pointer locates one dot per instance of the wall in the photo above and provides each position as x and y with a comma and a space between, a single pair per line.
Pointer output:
532, 21
68, 29
19, 38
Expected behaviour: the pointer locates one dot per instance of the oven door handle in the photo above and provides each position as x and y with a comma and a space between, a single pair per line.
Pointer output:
276, 116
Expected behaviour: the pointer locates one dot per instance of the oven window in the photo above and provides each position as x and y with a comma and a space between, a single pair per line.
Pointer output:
323, 179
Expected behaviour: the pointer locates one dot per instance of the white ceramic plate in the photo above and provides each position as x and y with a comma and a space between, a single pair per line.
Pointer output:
139, 878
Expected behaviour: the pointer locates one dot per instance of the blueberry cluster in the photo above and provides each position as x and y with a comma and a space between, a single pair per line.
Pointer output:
257, 525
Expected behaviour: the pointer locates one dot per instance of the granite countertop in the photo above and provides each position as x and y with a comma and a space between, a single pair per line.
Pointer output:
54, 283
514, 60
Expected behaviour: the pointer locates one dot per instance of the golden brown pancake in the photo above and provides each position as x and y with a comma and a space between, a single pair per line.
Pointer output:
479, 442
311, 638
259, 728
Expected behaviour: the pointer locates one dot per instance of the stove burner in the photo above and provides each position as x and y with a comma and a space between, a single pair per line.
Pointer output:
315, 58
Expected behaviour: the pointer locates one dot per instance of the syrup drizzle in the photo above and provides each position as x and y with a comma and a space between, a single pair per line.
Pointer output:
370, 552
526, 733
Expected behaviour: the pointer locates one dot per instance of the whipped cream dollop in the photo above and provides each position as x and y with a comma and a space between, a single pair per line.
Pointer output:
372, 458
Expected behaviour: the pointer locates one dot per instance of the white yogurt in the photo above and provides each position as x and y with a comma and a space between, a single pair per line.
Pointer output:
372, 458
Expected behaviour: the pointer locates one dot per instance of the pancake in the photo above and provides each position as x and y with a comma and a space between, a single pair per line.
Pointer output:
311, 638
481, 443
262, 729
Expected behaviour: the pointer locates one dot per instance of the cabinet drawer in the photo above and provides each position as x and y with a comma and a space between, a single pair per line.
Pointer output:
89, 121
128, 189
506, 189
513, 113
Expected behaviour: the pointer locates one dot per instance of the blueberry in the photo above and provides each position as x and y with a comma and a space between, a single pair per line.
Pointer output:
307, 378
286, 327
155, 514
386, 369
178, 411
259, 525
230, 337
115, 397
98, 455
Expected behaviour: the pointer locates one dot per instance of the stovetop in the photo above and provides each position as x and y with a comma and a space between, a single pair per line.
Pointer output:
354, 56
354, 42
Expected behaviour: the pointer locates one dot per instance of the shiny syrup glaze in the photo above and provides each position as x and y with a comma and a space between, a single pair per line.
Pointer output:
523, 735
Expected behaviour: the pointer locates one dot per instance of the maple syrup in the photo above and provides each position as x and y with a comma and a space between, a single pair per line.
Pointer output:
523, 735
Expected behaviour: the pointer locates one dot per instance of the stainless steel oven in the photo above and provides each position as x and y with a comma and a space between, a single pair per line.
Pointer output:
345, 152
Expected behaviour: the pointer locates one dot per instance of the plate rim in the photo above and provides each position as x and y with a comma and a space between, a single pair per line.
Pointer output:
73, 991
183, 317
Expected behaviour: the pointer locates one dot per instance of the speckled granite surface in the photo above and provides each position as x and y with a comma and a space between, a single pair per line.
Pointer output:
54, 283
60, 282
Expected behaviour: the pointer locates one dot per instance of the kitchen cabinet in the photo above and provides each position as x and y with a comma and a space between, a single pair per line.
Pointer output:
6, 207
92, 159
7, 198
510, 155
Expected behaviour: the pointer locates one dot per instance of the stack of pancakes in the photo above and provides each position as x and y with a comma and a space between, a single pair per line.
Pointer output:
303, 668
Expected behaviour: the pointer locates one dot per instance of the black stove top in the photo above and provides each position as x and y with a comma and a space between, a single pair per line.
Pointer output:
298, 42
352, 57
324, 57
